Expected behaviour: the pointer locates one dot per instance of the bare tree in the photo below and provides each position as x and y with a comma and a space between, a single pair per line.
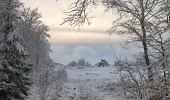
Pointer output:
45, 77
144, 20
138, 17
132, 77
78, 12
35, 36
50, 82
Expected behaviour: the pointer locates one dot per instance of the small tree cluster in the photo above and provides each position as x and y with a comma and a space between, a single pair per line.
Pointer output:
80, 62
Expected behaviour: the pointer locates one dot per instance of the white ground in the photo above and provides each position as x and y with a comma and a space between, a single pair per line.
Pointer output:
92, 80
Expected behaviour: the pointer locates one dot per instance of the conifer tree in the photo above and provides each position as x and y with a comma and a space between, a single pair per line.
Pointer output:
14, 71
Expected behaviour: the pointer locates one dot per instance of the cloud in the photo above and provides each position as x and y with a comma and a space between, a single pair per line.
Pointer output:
87, 36
91, 42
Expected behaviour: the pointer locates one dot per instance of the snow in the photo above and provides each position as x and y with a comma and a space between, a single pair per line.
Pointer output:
94, 73
14, 35
95, 82
20, 48
93, 78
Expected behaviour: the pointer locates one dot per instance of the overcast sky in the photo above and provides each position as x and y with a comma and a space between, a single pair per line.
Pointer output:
91, 42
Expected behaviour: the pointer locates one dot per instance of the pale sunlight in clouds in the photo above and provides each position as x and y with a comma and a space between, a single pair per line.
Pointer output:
91, 42
82, 37
53, 15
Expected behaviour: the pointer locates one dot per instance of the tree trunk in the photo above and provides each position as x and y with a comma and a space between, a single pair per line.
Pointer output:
147, 61
144, 43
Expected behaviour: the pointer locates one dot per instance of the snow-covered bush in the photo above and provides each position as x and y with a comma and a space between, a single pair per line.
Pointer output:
132, 78
59, 77
87, 93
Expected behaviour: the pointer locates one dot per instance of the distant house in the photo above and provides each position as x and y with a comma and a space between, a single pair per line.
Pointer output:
103, 63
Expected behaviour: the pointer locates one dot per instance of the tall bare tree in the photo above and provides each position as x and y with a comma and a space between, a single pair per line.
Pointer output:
142, 18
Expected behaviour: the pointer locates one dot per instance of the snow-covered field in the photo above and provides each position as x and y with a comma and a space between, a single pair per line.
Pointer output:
92, 73
94, 81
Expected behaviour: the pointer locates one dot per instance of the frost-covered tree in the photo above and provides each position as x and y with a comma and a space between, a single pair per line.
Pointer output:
14, 71
145, 21
141, 18
35, 36
132, 77
47, 79
59, 77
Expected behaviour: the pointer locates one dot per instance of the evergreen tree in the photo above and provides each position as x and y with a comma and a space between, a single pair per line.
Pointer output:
14, 71
103, 63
